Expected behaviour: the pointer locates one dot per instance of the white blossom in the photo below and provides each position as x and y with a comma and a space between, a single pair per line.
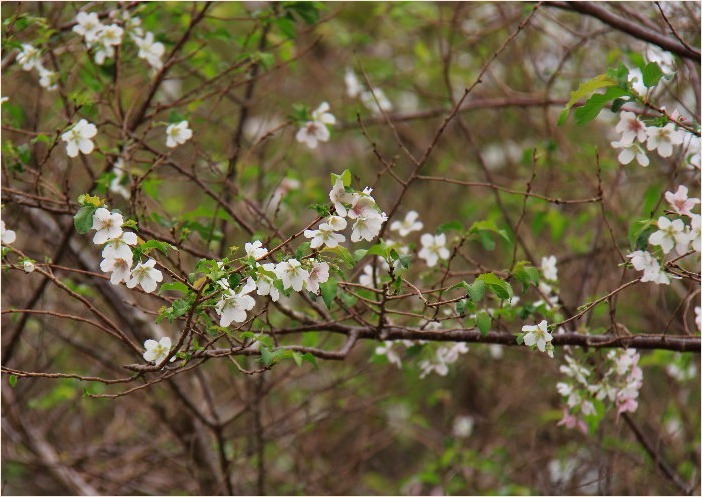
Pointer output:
107, 224
367, 228
8, 236
29, 57
146, 275
89, 26
549, 269
177, 134
670, 234
407, 225
255, 249
233, 305
265, 285
292, 274
116, 183
387, 350
631, 152
28, 266
433, 248
322, 115
325, 235
537, 335
47, 79
353, 86
663, 139
150, 50
119, 246
157, 352
635, 78
336, 223
463, 426
644, 261
382, 104
78, 138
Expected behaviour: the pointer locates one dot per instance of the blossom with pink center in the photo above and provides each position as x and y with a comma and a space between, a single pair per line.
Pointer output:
631, 128
680, 202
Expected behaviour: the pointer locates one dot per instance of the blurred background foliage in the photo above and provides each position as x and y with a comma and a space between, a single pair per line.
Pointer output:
359, 426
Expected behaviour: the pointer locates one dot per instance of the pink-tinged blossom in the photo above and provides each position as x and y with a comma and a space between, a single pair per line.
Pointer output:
644, 261
571, 421
694, 233
433, 248
340, 197
146, 275
631, 152
680, 202
663, 139
8, 236
79, 138
362, 206
232, 306
108, 225
312, 133
318, 274
292, 274
670, 234
631, 128
407, 225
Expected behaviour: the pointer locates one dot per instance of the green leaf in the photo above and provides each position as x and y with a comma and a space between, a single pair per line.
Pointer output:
345, 177
595, 103
267, 356
651, 74
496, 285
328, 290
297, 357
483, 321
155, 244
585, 89
83, 220
176, 286
12, 380
476, 290
343, 254
451, 225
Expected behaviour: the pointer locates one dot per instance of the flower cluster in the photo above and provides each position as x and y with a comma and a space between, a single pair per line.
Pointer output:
445, 356
117, 253
315, 130
374, 100
619, 385
359, 207
30, 58
672, 236
268, 279
634, 134
103, 38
